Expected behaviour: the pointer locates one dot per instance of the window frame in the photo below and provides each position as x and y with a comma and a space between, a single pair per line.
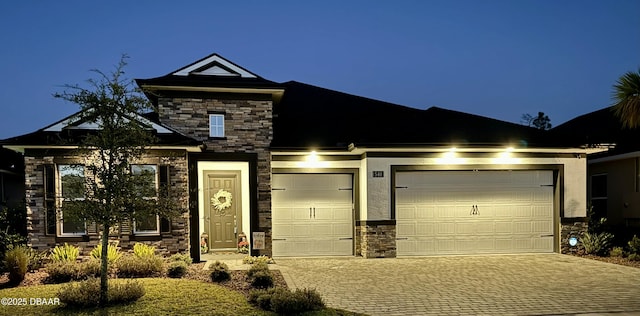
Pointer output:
61, 199
155, 232
218, 125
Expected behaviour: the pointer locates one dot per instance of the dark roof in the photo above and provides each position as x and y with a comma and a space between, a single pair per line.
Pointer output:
598, 128
73, 136
314, 117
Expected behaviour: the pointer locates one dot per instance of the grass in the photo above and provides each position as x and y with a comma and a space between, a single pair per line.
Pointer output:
164, 296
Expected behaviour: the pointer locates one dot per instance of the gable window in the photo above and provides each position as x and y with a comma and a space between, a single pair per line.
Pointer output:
71, 184
148, 188
216, 125
599, 195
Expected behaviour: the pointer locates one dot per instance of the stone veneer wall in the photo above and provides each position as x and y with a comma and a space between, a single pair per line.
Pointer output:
572, 228
248, 129
376, 239
177, 240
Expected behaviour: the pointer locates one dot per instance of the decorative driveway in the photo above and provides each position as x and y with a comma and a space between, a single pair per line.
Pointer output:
546, 284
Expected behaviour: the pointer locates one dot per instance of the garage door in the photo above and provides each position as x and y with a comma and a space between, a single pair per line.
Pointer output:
474, 212
312, 214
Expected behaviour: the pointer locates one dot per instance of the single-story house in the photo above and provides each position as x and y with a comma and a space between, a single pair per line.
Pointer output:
613, 175
306, 171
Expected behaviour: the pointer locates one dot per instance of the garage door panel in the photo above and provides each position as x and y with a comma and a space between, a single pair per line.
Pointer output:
312, 214
460, 212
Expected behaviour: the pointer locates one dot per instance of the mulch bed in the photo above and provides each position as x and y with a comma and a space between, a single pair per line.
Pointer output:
615, 260
238, 280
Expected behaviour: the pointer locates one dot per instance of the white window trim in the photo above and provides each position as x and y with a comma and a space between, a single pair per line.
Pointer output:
211, 116
155, 232
61, 199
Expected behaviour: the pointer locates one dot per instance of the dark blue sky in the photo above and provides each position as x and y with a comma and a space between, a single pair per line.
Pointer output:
493, 58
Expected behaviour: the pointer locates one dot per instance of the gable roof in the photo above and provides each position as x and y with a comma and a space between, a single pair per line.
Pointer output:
70, 130
213, 73
314, 117
598, 128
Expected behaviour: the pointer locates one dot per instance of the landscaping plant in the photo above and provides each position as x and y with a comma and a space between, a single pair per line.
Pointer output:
17, 262
634, 245
596, 243
87, 293
113, 253
285, 302
132, 266
177, 269
219, 272
181, 257
65, 253
260, 276
143, 251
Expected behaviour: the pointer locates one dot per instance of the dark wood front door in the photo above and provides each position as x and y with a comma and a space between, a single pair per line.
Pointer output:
222, 208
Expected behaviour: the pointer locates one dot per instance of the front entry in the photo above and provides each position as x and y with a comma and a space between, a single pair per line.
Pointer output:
222, 208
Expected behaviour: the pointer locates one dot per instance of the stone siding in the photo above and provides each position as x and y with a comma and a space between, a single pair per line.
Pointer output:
376, 240
173, 241
248, 129
572, 228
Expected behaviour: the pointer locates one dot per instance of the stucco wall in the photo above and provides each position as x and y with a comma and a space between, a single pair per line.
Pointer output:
623, 202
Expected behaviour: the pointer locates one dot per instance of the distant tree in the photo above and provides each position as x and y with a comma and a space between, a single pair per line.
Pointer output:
541, 121
626, 96
111, 192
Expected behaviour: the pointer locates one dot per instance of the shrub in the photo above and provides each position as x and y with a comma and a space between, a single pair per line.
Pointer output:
285, 302
634, 245
596, 243
113, 254
17, 261
65, 253
219, 272
181, 257
62, 271
37, 259
634, 257
253, 260
177, 269
89, 269
87, 293
139, 267
259, 276
616, 252
144, 251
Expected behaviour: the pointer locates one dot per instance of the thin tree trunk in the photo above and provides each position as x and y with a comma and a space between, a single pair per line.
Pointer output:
104, 257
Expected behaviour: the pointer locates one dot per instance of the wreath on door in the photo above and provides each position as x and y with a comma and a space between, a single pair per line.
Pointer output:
221, 200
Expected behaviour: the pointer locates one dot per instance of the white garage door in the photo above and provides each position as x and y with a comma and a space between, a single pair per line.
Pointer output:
474, 212
312, 214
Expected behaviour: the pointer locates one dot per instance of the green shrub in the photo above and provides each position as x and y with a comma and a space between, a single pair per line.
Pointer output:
616, 252
62, 271
37, 259
285, 302
177, 269
113, 254
219, 272
144, 251
139, 267
89, 269
634, 245
16, 261
259, 259
87, 293
259, 276
65, 253
181, 257
634, 257
596, 243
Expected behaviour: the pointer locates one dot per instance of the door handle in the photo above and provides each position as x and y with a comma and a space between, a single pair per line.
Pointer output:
277, 239
309, 212
402, 238
314, 212
346, 238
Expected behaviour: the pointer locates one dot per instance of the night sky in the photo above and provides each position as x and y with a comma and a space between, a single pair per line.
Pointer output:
499, 59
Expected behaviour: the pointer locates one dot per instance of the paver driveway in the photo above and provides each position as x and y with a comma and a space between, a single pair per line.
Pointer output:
546, 284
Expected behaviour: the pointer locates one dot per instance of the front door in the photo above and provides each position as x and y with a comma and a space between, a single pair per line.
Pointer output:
222, 208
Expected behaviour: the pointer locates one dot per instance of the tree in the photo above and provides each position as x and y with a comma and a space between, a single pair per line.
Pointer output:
541, 121
109, 192
626, 95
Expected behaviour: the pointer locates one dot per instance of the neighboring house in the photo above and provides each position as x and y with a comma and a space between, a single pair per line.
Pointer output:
307, 171
11, 178
613, 175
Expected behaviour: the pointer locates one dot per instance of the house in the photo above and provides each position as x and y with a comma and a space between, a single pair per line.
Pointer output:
300, 170
613, 175
11, 178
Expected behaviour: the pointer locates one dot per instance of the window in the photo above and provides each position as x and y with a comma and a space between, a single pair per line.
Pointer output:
599, 195
216, 125
71, 184
148, 188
